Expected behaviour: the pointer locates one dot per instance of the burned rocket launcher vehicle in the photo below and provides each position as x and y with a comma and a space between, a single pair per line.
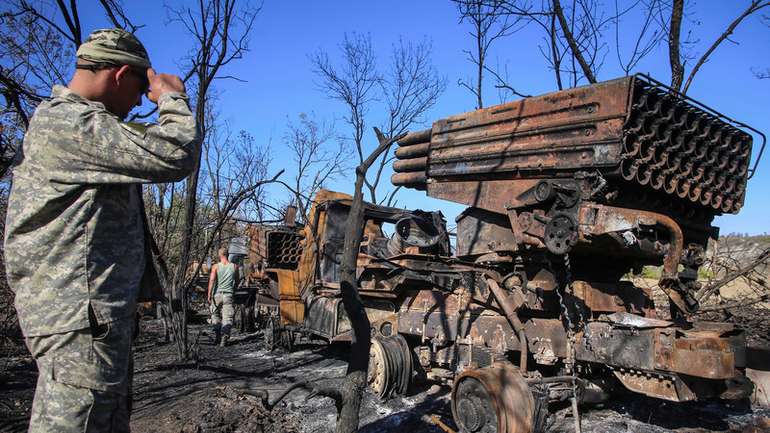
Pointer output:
567, 193
301, 266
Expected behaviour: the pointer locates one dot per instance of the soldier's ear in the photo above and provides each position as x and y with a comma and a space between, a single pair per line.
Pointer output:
121, 74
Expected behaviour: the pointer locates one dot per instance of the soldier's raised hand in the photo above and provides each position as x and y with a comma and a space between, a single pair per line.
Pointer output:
162, 83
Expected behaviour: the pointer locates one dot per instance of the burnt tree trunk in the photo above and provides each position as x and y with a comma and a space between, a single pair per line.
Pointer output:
674, 56
573, 45
350, 393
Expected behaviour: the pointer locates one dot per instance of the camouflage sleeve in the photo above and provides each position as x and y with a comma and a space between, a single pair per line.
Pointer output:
110, 151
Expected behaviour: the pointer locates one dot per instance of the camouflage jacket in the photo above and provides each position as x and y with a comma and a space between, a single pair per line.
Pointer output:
76, 235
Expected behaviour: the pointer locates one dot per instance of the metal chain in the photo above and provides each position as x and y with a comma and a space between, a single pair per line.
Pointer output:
572, 328
569, 364
564, 312
568, 271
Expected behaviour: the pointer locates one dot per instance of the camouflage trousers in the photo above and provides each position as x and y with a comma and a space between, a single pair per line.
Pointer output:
222, 312
84, 382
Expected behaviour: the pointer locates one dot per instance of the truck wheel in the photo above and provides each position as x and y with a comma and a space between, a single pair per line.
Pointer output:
496, 399
390, 366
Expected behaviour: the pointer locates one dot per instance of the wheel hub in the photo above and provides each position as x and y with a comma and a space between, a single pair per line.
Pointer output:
494, 399
470, 414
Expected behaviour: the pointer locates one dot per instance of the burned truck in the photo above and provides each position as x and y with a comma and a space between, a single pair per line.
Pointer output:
300, 264
567, 194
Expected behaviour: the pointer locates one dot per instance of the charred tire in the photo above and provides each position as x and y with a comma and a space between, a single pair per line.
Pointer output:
390, 366
497, 399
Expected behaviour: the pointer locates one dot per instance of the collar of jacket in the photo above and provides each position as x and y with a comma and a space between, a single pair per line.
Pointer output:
63, 92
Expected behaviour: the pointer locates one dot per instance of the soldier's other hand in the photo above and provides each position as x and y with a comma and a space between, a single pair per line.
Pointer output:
162, 83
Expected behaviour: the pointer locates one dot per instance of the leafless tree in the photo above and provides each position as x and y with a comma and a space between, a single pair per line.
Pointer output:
740, 266
489, 22
232, 164
649, 37
233, 179
673, 26
347, 395
409, 86
220, 31
355, 82
256, 159
574, 45
575, 36
318, 157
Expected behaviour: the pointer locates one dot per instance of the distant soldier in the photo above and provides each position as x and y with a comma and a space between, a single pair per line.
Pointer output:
78, 248
220, 296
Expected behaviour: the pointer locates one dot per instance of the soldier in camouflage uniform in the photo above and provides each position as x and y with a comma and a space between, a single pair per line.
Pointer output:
77, 243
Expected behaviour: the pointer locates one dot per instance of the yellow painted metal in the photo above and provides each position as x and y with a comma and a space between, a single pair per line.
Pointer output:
294, 285
292, 308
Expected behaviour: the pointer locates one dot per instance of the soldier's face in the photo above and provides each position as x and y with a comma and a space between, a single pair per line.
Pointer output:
130, 85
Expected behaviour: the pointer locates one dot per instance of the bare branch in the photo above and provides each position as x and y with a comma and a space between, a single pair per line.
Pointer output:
490, 20
114, 11
755, 6
644, 44
577, 53
354, 82
72, 22
316, 160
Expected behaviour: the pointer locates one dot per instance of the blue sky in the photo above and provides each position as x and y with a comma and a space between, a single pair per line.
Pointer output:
280, 82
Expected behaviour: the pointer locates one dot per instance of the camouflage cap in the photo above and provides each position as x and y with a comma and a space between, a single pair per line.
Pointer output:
114, 46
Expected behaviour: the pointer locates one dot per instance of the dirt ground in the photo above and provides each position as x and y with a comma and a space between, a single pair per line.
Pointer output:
216, 394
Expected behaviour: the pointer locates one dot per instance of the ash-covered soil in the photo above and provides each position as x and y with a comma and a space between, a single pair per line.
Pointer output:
222, 391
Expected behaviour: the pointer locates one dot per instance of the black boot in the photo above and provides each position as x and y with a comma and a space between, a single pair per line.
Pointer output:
217, 334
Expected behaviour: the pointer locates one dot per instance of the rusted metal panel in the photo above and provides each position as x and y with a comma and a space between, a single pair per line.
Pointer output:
480, 231
546, 335
494, 195
711, 364
703, 354
670, 349
541, 150
491, 331
612, 297
292, 311
665, 387
322, 316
